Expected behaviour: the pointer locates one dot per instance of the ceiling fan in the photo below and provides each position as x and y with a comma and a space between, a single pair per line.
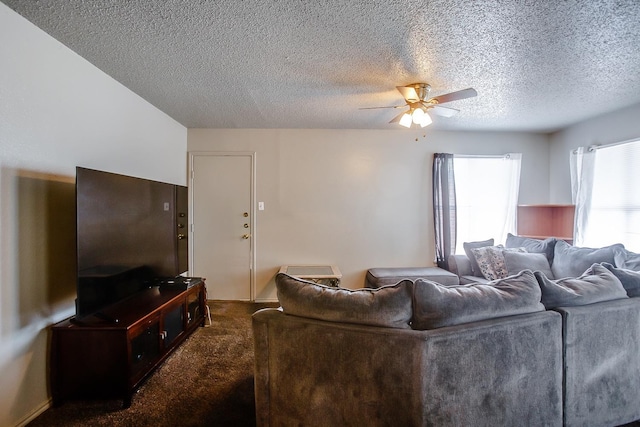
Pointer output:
416, 96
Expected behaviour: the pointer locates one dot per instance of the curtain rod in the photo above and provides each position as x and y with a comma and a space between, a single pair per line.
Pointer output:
613, 144
485, 156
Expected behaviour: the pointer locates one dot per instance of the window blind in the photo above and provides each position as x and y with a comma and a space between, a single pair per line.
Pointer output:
615, 200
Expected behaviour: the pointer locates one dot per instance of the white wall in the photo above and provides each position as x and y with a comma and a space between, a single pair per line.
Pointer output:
57, 111
622, 125
356, 198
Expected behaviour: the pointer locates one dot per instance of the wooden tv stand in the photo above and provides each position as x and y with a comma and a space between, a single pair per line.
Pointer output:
110, 358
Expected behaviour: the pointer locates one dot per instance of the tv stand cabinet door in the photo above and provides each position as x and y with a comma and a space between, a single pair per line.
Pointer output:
173, 324
88, 362
144, 349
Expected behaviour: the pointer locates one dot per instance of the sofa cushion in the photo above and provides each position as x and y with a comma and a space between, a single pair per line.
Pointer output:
630, 279
473, 280
436, 306
388, 306
468, 246
545, 246
597, 284
518, 261
490, 260
460, 265
626, 259
571, 261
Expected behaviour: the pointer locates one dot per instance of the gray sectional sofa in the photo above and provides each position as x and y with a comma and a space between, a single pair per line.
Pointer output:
334, 357
526, 349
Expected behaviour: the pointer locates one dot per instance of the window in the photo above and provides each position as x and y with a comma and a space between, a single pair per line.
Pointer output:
612, 213
486, 197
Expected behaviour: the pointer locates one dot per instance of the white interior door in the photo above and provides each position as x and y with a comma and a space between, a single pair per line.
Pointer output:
222, 223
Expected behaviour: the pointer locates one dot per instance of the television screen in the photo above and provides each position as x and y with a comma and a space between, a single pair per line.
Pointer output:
129, 231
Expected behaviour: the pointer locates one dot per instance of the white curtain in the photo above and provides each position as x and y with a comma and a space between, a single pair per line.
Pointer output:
486, 197
582, 164
512, 167
605, 181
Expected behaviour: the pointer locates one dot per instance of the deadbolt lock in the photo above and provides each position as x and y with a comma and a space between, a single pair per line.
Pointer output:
246, 214
246, 226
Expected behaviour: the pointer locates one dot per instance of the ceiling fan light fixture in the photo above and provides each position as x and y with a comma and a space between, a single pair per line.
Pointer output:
416, 97
417, 116
406, 120
426, 120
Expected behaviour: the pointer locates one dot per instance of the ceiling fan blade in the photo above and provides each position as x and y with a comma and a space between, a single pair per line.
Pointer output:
397, 118
443, 111
455, 96
408, 93
375, 108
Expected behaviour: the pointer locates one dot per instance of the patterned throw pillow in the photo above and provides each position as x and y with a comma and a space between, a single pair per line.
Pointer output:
491, 261
468, 249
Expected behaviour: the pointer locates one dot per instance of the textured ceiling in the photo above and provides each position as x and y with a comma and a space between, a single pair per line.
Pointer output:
538, 65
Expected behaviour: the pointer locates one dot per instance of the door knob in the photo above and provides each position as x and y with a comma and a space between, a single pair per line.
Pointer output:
246, 214
246, 236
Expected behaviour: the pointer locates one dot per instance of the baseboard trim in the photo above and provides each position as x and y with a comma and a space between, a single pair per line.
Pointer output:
32, 416
266, 300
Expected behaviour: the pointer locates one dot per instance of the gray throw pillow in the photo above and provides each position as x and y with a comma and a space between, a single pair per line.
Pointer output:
630, 279
545, 246
572, 261
596, 285
388, 306
436, 306
518, 261
468, 246
626, 259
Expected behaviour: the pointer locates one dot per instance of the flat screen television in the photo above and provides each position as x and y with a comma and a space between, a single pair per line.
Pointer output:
130, 233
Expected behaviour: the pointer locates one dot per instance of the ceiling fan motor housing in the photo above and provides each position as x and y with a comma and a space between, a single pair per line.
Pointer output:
422, 90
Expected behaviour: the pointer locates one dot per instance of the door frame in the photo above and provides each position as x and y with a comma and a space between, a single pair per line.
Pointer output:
252, 209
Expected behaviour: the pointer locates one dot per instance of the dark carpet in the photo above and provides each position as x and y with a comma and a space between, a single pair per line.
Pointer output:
207, 381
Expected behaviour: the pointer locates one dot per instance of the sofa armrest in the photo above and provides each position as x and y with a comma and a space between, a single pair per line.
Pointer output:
378, 277
312, 372
460, 265
503, 371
